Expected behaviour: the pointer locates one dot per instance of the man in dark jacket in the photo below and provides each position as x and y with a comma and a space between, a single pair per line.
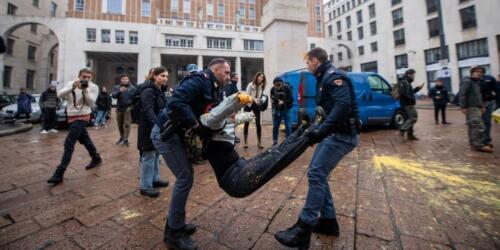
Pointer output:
407, 101
194, 97
229, 89
123, 108
282, 101
440, 98
489, 94
48, 104
337, 136
471, 104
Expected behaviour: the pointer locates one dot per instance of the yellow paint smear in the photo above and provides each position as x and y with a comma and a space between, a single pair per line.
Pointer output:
128, 214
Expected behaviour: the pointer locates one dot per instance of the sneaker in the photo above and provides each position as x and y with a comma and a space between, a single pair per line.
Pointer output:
119, 141
446, 123
95, 162
54, 131
124, 143
484, 149
44, 132
96, 127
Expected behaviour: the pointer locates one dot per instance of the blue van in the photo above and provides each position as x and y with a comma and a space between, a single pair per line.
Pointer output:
373, 93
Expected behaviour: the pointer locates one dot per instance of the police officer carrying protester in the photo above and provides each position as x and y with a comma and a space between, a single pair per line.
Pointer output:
337, 136
407, 101
195, 96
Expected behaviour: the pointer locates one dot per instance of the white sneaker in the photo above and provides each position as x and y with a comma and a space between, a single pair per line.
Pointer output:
44, 132
96, 127
54, 131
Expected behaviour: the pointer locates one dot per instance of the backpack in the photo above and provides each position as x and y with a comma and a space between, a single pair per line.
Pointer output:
136, 101
395, 91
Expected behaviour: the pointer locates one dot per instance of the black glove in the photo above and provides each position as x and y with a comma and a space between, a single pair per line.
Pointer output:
314, 135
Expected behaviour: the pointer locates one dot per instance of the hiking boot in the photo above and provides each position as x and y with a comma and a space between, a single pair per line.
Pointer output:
327, 227
160, 184
412, 138
95, 162
57, 177
484, 149
150, 192
299, 235
179, 238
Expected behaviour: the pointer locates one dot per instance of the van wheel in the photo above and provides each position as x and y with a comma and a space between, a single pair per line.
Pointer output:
398, 118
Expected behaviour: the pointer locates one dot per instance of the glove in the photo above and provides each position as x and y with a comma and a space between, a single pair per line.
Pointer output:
244, 98
314, 135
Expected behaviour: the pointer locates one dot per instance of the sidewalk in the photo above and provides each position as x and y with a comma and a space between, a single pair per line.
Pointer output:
9, 129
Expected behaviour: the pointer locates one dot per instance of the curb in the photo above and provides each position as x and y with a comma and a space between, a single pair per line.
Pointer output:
15, 130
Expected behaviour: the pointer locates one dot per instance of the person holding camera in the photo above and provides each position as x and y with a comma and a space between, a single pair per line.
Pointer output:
81, 96
123, 96
282, 101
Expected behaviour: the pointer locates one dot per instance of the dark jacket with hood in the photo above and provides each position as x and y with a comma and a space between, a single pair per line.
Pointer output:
103, 101
407, 92
152, 102
284, 94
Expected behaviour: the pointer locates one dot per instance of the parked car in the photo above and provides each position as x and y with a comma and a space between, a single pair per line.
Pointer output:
6, 100
9, 112
373, 94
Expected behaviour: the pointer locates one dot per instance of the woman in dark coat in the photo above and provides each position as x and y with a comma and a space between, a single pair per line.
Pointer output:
24, 104
152, 101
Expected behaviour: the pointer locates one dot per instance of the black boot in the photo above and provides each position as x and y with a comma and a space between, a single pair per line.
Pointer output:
178, 239
327, 226
299, 235
160, 184
57, 177
96, 161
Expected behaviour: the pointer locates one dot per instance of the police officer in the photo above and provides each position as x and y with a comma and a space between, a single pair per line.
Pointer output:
191, 99
337, 136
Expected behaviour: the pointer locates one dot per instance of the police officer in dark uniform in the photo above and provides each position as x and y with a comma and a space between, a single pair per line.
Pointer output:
191, 99
337, 136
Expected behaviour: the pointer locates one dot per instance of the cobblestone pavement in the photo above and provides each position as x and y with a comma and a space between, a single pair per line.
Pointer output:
429, 194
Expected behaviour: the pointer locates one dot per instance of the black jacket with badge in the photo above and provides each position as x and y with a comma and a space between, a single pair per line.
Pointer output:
439, 95
284, 94
335, 94
407, 92
152, 101
194, 97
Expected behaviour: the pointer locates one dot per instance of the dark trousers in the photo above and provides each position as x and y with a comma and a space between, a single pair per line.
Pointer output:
257, 113
441, 108
49, 118
77, 132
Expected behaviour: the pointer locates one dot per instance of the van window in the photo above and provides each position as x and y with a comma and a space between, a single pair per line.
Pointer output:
377, 84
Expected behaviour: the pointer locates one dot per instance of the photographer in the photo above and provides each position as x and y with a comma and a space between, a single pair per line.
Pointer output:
282, 100
81, 95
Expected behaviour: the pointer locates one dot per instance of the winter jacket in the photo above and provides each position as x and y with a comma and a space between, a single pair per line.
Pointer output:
152, 102
49, 100
488, 88
80, 101
439, 95
470, 93
24, 103
103, 101
284, 94
407, 92
123, 99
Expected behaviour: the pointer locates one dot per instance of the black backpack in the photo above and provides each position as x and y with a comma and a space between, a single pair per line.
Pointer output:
136, 101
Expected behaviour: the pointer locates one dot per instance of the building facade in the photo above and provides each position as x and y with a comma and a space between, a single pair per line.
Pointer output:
391, 36
115, 37
32, 49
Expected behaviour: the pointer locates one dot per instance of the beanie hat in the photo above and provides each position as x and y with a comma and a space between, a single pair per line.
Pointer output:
277, 79
192, 68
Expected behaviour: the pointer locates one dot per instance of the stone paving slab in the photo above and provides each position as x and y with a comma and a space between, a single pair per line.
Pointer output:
389, 194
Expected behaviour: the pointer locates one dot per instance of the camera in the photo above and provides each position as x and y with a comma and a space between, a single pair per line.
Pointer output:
84, 84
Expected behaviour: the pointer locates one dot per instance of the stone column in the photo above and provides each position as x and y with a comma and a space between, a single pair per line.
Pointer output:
284, 24
237, 68
200, 62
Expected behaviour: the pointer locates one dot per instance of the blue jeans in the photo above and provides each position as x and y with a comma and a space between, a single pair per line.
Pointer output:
175, 155
490, 107
319, 201
150, 172
100, 119
279, 115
